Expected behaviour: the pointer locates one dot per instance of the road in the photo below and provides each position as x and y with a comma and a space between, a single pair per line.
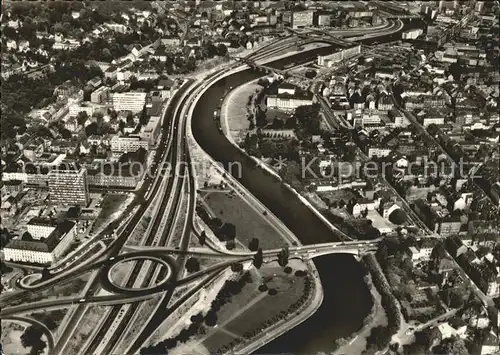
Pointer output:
432, 141
336, 121
170, 197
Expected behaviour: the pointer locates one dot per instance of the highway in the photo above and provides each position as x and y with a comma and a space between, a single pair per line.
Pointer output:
151, 186
150, 183
171, 197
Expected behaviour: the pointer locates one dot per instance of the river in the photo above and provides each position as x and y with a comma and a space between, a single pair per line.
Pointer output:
347, 299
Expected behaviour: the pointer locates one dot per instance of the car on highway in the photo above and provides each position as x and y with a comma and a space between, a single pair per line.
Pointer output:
82, 300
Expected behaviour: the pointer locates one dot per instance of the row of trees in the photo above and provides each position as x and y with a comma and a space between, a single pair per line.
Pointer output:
308, 286
230, 288
380, 336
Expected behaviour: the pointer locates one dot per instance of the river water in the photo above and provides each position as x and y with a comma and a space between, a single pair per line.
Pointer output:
347, 299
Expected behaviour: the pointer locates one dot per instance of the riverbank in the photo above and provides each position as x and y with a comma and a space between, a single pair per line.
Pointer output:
377, 317
288, 236
227, 129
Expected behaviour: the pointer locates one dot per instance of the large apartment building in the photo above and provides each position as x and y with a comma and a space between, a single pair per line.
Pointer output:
129, 101
302, 18
68, 187
128, 144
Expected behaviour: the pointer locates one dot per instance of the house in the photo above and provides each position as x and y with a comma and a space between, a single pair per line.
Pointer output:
71, 124
11, 44
379, 151
424, 250
362, 205
449, 225
491, 345
447, 331
160, 54
171, 41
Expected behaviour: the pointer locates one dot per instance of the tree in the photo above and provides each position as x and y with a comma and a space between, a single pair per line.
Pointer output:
272, 292
65, 133
221, 49
143, 119
254, 244
258, 258
211, 319
27, 236
283, 256
121, 126
263, 288
45, 273
192, 265
288, 270
311, 74
32, 337
202, 238
197, 318
230, 245
91, 129
130, 118
453, 345
398, 217
82, 117
237, 267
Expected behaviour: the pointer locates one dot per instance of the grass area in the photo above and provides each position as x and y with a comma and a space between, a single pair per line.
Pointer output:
11, 337
251, 309
136, 237
87, 325
51, 319
174, 239
269, 306
216, 341
110, 204
118, 274
249, 293
143, 313
64, 289
338, 195
194, 241
230, 208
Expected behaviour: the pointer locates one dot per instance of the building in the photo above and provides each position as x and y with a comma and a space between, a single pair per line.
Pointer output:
40, 251
330, 60
74, 110
40, 227
68, 187
324, 20
128, 144
424, 251
12, 187
288, 102
302, 19
171, 41
151, 131
129, 101
379, 152
289, 98
412, 34
100, 95
113, 175
449, 226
